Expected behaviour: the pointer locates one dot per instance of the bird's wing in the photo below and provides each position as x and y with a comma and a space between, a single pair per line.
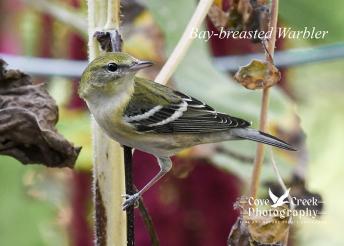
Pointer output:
157, 108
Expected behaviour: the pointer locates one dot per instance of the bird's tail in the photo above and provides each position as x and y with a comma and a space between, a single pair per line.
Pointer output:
262, 137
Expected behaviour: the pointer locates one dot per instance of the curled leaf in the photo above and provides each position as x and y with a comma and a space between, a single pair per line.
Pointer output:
257, 75
27, 123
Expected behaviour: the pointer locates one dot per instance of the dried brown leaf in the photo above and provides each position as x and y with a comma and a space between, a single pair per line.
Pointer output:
27, 123
245, 8
218, 17
268, 230
258, 230
243, 15
257, 75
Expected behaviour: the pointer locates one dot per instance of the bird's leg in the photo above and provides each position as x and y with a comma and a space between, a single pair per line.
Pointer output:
165, 164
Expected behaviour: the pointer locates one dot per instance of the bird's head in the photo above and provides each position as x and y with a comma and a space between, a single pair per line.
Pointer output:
109, 72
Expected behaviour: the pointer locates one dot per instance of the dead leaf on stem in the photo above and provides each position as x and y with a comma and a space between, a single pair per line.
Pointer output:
257, 75
243, 15
218, 17
27, 123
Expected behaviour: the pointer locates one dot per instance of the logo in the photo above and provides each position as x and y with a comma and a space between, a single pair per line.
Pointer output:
279, 201
285, 206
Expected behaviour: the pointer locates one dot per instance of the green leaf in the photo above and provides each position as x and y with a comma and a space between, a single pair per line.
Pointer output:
24, 220
323, 15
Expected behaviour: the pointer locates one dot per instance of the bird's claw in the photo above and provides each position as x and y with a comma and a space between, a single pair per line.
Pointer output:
130, 200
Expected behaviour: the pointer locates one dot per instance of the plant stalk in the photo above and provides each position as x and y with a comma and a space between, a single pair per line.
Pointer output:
108, 170
184, 43
269, 53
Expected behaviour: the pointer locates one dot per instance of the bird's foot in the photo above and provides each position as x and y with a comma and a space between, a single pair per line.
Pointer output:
131, 200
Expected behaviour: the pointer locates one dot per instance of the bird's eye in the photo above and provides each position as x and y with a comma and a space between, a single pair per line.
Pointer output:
112, 67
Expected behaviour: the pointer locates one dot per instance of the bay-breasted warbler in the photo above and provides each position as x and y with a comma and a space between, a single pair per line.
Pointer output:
154, 118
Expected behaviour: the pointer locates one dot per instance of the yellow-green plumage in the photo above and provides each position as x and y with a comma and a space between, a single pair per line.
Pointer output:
154, 118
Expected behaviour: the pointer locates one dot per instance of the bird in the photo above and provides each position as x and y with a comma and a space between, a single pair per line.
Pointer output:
154, 118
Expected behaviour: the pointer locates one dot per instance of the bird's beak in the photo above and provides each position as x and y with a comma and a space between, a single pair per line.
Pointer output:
141, 64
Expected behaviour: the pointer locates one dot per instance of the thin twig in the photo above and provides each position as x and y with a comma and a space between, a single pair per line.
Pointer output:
129, 189
280, 179
147, 219
184, 42
284, 188
265, 104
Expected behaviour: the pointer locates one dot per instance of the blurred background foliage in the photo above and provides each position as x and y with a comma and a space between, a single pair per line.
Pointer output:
38, 204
